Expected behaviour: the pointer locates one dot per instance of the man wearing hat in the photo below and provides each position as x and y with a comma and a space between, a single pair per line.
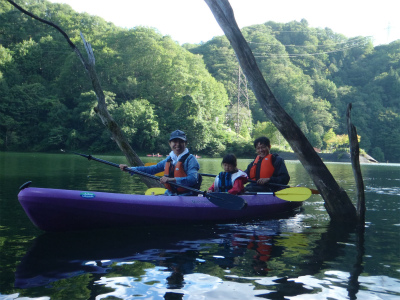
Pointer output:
180, 166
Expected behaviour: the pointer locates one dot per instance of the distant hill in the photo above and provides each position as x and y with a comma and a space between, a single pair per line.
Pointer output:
314, 73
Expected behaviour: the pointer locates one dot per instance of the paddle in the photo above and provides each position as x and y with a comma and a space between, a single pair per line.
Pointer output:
222, 200
294, 194
313, 191
297, 194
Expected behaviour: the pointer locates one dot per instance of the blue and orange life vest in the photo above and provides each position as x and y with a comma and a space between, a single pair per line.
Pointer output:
175, 171
225, 180
262, 168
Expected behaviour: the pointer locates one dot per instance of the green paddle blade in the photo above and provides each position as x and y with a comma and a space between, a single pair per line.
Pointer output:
227, 201
294, 194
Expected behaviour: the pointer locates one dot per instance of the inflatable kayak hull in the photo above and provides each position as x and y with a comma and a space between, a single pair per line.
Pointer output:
64, 210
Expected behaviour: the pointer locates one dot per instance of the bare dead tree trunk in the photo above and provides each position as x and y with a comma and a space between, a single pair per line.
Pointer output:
101, 109
337, 202
355, 161
354, 284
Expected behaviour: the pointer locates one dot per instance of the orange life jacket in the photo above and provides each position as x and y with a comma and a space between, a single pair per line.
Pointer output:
263, 169
175, 171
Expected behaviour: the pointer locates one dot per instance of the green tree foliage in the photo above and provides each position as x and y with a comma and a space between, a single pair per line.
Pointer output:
315, 73
43, 82
387, 134
154, 86
269, 130
377, 153
138, 122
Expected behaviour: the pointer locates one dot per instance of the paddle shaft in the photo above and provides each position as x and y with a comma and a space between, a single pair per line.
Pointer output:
252, 181
313, 191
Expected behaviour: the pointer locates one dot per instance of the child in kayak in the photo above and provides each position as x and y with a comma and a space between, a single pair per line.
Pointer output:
232, 180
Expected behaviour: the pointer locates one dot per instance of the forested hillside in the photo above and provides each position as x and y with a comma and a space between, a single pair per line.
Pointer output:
154, 86
314, 73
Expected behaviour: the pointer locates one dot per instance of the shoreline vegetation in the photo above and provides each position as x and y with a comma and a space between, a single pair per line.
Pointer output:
326, 157
341, 157
332, 157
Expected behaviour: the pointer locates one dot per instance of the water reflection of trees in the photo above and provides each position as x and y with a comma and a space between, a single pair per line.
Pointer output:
70, 262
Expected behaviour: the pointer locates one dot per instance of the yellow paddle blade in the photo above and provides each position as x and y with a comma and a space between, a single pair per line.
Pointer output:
155, 191
152, 164
294, 194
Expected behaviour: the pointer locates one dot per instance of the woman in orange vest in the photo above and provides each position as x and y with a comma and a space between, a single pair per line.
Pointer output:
180, 166
266, 169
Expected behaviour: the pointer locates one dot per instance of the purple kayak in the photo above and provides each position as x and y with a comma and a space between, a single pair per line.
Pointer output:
64, 210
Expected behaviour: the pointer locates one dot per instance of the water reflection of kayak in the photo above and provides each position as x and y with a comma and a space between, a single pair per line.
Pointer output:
56, 256
64, 210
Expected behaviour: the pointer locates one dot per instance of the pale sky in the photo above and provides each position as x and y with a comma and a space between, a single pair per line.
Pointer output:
191, 21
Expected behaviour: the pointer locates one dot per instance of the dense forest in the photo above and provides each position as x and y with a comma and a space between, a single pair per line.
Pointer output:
154, 85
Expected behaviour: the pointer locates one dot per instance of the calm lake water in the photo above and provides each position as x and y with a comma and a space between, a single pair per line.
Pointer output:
303, 256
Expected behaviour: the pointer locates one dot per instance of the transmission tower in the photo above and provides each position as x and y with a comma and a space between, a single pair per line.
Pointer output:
242, 100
